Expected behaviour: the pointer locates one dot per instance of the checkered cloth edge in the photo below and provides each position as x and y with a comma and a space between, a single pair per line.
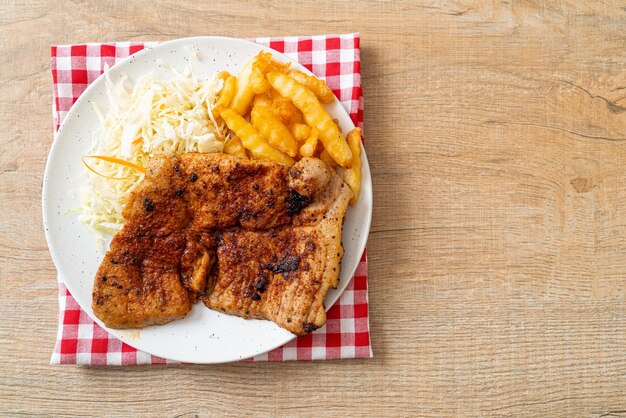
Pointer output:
334, 58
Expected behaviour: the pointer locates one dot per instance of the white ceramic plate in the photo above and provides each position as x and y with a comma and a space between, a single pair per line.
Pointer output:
204, 336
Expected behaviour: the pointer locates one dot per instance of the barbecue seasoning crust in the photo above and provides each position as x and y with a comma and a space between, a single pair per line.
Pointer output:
246, 237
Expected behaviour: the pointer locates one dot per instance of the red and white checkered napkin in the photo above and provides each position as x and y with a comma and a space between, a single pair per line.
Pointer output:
346, 334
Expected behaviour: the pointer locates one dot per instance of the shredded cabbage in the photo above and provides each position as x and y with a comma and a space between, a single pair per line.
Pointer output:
153, 116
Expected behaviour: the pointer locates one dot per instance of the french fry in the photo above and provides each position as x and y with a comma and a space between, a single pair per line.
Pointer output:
318, 149
301, 131
225, 96
223, 75
258, 82
264, 63
308, 148
337, 123
273, 130
286, 111
245, 92
324, 156
317, 86
262, 100
252, 140
235, 148
315, 116
352, 175
251, 80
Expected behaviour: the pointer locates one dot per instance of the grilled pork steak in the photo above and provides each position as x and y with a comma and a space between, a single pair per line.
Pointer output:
282, 274
255, 238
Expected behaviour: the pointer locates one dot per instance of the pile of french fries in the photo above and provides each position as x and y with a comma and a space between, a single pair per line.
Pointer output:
275, 113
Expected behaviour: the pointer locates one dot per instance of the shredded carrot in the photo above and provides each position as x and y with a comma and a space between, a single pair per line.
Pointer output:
115, 161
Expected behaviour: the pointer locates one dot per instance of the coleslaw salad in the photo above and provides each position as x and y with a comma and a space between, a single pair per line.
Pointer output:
148, 117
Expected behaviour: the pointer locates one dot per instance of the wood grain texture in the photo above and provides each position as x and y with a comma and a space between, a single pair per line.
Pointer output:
496, 133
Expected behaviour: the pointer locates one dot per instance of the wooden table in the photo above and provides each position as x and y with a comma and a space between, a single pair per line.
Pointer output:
496, 135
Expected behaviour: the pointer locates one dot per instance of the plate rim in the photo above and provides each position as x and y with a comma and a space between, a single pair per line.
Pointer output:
367, 191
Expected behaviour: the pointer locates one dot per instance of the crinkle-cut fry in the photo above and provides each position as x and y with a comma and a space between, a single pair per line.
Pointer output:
308, 148
324, 156
258, 82
245, 93
225, 96
337, 123
223, 75
273, 130
252, 140
262, 100
235, 147
315, 116
264, 62
352, 174
317, 86
300, 131
286, 111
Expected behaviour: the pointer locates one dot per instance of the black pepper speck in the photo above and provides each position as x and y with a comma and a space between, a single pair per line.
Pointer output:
147, 203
